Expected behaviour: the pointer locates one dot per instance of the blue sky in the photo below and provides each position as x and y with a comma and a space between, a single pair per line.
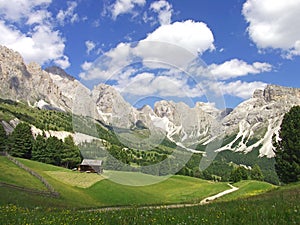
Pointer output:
203, 50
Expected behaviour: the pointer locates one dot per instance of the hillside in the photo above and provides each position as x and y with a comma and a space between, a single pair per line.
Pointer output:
279, 205
61, 124
86, 191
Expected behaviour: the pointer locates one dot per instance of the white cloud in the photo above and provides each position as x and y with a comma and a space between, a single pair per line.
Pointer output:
38, 17
86, 65
41, 46
63, 62
90, 45
147, 84
169, 46
237, 88
236, 68
164, 11
18, 9
37, 42
125, 6
68, 14
274, 24
229, 69
191, 35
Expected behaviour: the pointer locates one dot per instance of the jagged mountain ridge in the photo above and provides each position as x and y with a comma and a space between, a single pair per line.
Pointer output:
253, 122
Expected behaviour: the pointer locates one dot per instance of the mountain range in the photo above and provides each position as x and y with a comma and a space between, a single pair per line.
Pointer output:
251, 125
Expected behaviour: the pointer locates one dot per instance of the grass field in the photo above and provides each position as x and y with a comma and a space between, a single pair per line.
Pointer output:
248, 188
280, 206
81, 190
254, 203
12, 174
83, 180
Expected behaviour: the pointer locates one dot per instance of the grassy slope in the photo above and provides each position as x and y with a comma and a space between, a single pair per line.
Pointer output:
280, 206
12, 174
248, 188
106, 193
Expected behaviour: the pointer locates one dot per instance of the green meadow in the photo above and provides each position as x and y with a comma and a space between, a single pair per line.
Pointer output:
93, 199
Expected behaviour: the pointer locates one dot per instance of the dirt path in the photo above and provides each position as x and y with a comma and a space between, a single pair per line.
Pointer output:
172, 206
211, 198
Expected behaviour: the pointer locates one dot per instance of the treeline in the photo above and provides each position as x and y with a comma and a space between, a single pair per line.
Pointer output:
21, 143
42, 119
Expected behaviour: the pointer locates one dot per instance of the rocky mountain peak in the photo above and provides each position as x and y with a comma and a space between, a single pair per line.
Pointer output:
278, 93
59, 71
8, 55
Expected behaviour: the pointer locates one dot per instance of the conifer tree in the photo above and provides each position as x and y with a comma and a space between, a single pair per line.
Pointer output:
256, 173
21, 141
288, 148
3, 138
70, 155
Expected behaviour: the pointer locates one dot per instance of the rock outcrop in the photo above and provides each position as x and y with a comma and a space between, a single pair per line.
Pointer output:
253, 123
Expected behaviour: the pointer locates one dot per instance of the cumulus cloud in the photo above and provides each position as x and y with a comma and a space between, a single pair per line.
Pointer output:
125, 6
18, 9
164, 11
236, 68
145, 84
90, 45
86, 65
37, 42
68, 15
155, 65
237, 88
168, 46
191, 35
41, 46
273, 24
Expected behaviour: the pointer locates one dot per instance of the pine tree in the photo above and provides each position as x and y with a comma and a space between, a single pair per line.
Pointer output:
54, 149
39, 150
288, 149
21, 141
256, 173
70, 155
238, 174
3, 138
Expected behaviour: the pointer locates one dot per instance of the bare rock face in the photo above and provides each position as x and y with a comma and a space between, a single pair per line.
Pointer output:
112, 108
188, 125
59, 71
15, 80
31, 84
260, 118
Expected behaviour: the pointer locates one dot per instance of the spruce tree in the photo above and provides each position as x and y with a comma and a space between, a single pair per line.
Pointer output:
288, 148
54, 149
70, 155
21, 141
3, 138
39, 150
256, 173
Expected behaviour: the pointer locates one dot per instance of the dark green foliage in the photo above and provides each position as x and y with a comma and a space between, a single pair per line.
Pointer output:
21, 141
3, 138
288, 149
56, 152
239, 173
70, 156
39, 150
256, 173
42, 119
250, 159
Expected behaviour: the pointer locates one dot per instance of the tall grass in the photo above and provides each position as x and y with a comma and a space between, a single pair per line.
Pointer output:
275, 207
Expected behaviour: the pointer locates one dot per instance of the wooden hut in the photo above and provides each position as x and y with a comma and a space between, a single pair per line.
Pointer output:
91, 165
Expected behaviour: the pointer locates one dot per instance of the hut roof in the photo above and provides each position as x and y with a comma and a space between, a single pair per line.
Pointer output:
91, 162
